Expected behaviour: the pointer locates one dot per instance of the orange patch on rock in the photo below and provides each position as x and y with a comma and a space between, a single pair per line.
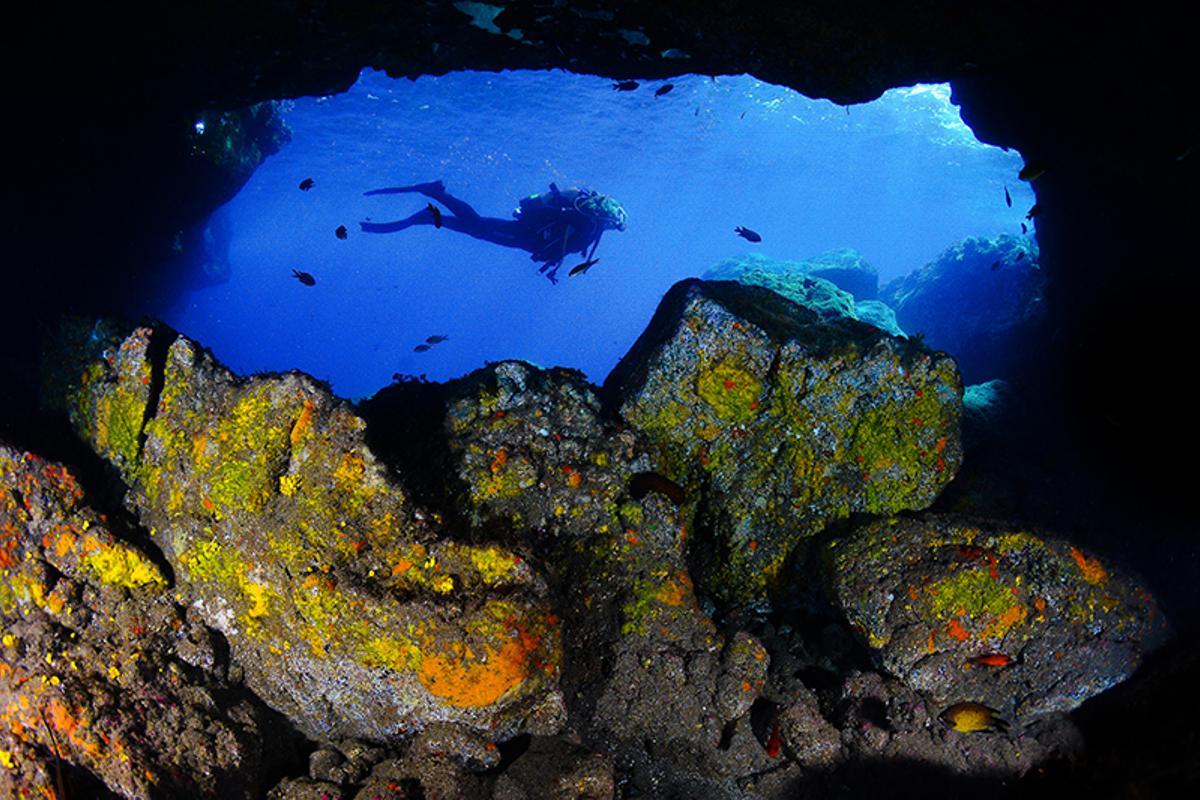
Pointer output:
957, 630
303, 422
1091, 568
470, 683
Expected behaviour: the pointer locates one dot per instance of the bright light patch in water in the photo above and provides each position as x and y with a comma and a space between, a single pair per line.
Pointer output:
898, 180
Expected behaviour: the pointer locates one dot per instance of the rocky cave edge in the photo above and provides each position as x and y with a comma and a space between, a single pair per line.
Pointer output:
1103, 100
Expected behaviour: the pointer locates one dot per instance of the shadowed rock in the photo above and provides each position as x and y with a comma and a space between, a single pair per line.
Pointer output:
98, 665
967, 610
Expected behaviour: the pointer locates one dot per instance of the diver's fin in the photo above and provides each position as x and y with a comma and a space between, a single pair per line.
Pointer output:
385, 227
419, 188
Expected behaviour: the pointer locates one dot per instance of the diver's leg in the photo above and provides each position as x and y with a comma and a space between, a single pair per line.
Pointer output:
422, 217
419, 188
505, 232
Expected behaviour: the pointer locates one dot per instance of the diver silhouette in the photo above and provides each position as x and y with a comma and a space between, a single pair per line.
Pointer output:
549, 226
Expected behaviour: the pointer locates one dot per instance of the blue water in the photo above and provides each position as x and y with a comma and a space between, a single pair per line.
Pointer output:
898, 180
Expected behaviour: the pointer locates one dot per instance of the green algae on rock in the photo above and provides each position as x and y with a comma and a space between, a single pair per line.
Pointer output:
98, 664
965, 609
345, 610
788, 421
647, 676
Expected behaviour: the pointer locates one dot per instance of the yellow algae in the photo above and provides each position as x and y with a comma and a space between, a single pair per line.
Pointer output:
6, 759
288, 484
118, 565
442, 584
492, 563
350, 469
731, 391
257, 593
395, 653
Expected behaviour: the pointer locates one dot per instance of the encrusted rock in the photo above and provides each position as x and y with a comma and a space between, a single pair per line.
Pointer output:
88, 667
964, 610
791, 279
787, 422
552, 769
978, 300
344, 609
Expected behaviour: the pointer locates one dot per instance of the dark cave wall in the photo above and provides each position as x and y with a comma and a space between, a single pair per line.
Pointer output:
103, 175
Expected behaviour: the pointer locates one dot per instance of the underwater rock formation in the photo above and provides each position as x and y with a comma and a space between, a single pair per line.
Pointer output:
978, 300
788, 423
346, 611
647, 676
790, 279
964, 610
879, 314
99, 667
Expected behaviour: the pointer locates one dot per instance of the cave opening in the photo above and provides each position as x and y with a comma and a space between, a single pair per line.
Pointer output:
873, 191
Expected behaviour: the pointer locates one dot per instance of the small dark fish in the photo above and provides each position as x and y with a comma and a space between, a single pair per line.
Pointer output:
747, 234
1033, 211
742, 115
1020, 255
421, 348
666, 87
437, 338
1024, 228
1032, 171
625, 86
989, 660
437, 215
1007, 197
642, 483
340, 232
307, 184
972, 718
304, 277
1185, 153
584, 267
995, 265
697, 112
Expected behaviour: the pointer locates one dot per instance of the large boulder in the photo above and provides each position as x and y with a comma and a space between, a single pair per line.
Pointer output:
788, 423
964, 610
528, 453
346, 610
99, 667
979, 301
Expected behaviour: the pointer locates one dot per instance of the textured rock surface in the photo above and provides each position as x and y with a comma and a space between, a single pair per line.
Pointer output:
879, 314
346, 611
647, 676
99, 667
846, 269
792, 279
977, 300
965, 610
788, 422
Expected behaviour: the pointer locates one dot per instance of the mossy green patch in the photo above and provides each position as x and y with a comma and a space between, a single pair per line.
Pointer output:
732, 392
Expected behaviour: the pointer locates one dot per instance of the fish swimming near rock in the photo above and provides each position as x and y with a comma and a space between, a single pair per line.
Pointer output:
584, 267
1007, 197
307, 184
666, 87
437, 338
1024, 228
1034, 211
304, 277
995, 265
437, 215
747, 234
1032, 171
625, 86
642, 483
997, 660
422, 348
341, 232
774, 744
972, 718
1020, 255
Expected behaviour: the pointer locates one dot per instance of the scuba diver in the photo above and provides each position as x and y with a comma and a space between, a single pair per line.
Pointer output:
549, 225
